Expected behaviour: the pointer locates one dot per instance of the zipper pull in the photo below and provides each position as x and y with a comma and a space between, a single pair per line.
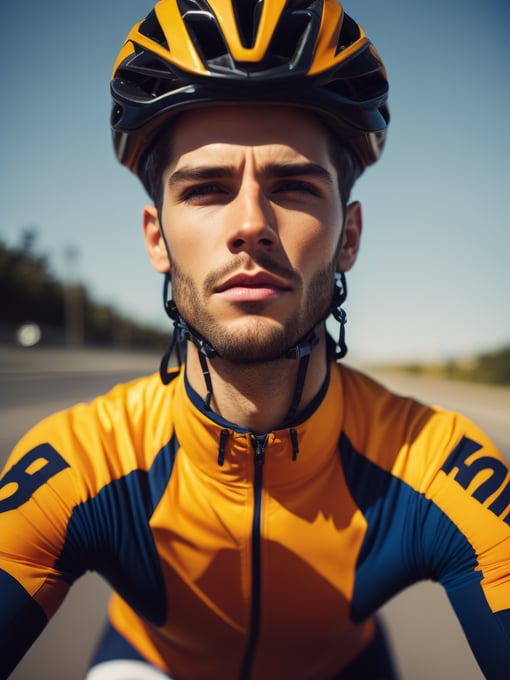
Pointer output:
295, 443
224, 434
259, 443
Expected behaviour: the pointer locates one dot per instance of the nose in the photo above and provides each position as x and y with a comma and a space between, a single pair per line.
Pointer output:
251, 221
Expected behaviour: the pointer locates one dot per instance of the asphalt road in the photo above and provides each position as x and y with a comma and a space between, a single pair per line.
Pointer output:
427, 639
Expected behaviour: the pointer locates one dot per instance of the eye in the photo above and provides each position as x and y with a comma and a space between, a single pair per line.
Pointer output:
200, 193
296, 186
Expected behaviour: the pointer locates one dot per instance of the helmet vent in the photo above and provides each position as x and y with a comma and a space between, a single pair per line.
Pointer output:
290, 42
206, 36
248, 17
146, 78
349, 33
152, 29
356, 89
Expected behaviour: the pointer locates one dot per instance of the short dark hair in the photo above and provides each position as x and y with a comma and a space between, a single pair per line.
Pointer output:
156, 161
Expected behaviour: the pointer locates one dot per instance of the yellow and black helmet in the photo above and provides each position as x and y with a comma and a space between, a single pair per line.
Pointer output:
191, 53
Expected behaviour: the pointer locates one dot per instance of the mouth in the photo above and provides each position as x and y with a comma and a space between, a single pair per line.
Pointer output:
252, 287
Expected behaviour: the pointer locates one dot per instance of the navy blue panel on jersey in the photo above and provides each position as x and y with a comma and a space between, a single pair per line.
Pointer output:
111, 535
408, 537
16, 599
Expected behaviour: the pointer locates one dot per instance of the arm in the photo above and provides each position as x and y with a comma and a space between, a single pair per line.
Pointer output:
435, 493
473, 488
21, 622
37, 493
69, 495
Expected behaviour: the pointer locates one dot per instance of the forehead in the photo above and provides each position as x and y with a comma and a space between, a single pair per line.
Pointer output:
280, 131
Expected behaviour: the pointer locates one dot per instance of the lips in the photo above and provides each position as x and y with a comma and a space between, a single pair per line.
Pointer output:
256, 281
259, 288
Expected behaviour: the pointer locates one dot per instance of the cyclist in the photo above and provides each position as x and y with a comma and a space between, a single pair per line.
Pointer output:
254, 506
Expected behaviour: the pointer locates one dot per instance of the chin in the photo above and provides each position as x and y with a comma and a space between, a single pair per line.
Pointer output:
255, 343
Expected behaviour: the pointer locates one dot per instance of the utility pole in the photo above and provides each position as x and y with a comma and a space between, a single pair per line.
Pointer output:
73, 299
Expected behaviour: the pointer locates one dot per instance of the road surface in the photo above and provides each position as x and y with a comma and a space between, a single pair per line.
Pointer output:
427, 639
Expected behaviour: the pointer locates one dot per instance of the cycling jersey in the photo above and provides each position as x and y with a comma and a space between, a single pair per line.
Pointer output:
237, 555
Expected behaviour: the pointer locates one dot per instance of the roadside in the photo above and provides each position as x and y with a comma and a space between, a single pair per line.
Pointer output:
74, 359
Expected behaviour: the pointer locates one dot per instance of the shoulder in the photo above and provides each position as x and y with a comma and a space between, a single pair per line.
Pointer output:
406, 437
439, 455
88, 444
371, 408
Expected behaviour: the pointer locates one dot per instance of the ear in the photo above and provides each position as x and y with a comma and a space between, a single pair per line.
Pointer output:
154, 240
351, 236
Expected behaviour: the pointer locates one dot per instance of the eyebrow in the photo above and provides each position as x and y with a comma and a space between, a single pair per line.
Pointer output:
274, 170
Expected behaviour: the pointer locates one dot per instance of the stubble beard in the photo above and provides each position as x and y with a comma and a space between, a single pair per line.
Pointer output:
260, 340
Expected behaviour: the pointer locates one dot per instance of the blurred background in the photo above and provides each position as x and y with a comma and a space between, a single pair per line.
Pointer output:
430, 292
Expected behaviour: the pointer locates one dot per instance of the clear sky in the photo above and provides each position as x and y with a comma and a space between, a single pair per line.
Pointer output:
433, 277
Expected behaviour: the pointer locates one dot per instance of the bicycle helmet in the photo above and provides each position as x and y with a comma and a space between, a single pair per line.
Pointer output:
191, 53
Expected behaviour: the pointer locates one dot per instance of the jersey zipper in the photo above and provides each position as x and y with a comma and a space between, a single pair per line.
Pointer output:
259, 443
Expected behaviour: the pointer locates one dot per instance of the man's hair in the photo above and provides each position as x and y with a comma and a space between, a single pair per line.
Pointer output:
157, 158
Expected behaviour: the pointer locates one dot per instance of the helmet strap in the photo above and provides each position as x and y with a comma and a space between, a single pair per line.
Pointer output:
181, 334
298, 390
339, 297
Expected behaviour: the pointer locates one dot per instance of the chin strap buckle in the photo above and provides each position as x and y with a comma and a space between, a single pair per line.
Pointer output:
304, 347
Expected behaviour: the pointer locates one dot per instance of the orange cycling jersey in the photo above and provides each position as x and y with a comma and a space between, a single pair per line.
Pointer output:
237, 555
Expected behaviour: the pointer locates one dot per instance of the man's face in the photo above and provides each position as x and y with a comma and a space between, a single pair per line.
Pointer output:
252, 218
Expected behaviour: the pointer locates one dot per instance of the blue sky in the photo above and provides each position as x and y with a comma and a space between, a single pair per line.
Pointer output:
433, 277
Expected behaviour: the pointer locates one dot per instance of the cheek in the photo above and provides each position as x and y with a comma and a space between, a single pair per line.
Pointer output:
311, 243
193, 257
185, 241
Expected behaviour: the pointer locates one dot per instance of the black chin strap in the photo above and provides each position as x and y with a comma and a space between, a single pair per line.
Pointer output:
182, 333
300, 351
177, 343
298, 390
339, 297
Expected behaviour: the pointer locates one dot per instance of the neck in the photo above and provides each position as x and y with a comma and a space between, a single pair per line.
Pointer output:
257, 396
